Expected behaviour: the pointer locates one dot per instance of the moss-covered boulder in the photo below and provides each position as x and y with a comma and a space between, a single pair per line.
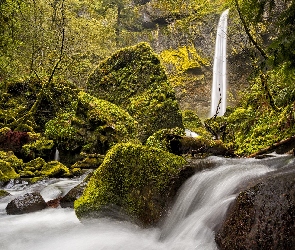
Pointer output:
93, 127
7, 172
91, 161
55, 169
136, 179
33, 168
134, 79
41, 147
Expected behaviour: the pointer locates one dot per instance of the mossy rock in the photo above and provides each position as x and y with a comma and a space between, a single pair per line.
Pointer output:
134, 79
33, 168
42, 147
93, 127
7, 172
15, 163
134, 178
3, 193
166, 139
90, 162
55, 169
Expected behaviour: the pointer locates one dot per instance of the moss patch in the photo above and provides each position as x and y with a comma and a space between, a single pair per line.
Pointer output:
133, 177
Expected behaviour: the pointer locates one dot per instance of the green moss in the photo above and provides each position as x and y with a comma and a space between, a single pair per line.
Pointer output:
3, 193
192, 122
35, 165
55, 169
134, 79
91, 161
20, 96
133, 177
7, 172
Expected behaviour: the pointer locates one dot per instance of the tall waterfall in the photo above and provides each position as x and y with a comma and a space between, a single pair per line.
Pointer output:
219, 68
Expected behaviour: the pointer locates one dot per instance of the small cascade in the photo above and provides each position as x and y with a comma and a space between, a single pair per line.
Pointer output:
200, 207
218, 94
56, 155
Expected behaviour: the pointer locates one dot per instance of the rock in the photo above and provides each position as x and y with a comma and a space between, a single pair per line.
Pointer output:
75, 193
134, 79
262, 216
55, 169
135, 180
27, 203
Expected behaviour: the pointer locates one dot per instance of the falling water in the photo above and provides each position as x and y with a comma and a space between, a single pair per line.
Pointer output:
218, 94
56, 155
200, 206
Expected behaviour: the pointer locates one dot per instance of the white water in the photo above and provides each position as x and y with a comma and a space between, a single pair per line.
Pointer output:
56, 155
190, 225
219, 87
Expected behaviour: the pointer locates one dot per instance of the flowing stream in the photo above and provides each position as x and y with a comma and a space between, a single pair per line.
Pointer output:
199, 207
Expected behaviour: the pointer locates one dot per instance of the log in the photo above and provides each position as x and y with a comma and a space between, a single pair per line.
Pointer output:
280, 147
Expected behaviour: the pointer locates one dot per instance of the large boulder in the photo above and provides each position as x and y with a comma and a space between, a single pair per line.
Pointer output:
93, 127
262, 216
27, 203
133, 180
134, 79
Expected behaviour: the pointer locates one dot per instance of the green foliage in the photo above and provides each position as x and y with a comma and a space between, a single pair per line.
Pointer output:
134, 79
130, 177
43, 100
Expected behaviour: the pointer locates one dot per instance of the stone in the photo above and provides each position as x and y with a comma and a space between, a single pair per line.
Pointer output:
262, 216
27, 203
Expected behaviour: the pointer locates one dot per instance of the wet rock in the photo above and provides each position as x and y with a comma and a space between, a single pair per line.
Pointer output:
262, 216
53, 203
75, 193
27, 203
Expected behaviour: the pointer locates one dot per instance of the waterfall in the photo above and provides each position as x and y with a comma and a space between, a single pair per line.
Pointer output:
56, 155
200, 206
219, 68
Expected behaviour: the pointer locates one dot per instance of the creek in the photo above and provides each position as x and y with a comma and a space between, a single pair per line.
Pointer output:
200, 206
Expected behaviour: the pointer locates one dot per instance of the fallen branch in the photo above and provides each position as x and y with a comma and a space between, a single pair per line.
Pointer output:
280, 147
